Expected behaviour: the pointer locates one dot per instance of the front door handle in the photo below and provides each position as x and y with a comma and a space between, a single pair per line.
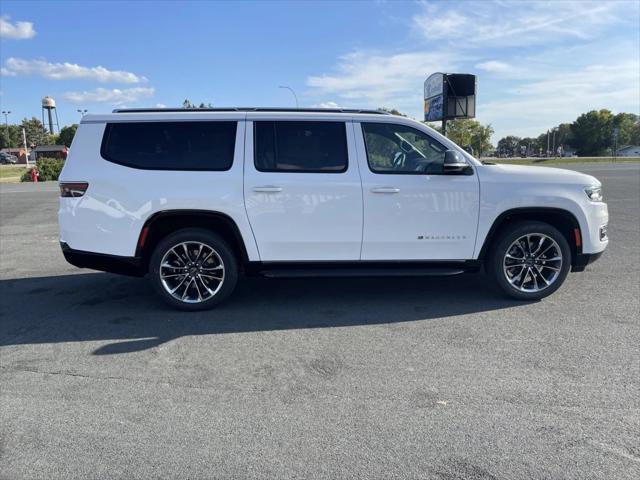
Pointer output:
385, 190
267, 189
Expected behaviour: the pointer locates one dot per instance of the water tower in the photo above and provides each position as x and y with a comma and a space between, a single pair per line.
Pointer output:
49, 104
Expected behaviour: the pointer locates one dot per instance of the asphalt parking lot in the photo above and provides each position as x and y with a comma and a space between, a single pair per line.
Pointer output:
374, 378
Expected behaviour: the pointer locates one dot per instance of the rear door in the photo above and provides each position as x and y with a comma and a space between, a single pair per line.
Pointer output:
302, 189
412, 210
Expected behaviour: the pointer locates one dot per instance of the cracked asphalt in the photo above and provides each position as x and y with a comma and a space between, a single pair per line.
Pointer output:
370, 378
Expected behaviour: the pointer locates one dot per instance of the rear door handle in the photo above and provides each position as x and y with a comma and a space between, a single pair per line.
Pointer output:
267, 189
385, 190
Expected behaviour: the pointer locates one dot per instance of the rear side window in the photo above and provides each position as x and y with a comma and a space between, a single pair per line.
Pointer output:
300, 147
171, 145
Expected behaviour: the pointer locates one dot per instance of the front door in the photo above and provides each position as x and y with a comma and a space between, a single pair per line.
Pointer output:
302, 190
412, 210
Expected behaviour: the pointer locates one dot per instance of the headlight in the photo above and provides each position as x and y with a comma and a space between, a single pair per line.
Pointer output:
594, 193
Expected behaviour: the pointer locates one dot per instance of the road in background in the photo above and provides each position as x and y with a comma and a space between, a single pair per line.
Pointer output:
376, 378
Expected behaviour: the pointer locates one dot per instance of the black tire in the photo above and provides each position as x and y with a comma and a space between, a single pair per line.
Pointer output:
497, 261
223, 256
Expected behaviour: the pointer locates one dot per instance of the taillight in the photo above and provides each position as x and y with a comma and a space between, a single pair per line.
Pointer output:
73, 189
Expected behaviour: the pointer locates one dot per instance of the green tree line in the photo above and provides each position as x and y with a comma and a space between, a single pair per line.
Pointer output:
591, 134
36, 134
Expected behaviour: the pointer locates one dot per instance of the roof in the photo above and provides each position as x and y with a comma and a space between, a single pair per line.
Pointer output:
51, 148
627, 147
250, 109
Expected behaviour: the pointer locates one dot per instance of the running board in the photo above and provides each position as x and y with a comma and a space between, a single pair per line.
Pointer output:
360, 272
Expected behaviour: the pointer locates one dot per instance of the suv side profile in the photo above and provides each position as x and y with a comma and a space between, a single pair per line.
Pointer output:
194, 198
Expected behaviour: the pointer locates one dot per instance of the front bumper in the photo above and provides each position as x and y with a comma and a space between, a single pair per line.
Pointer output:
132, 266
583, 259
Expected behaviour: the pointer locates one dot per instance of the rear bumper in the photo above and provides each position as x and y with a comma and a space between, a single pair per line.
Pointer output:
584, 259
106, 263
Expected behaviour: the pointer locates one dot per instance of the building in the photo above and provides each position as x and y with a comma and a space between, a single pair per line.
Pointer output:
629, 151
50, 151
18, 152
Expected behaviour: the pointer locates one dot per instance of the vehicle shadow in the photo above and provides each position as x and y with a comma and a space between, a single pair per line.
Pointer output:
101, 306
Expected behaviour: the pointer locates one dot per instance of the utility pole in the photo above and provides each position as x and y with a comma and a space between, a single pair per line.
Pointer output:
291, 90
26, 151
444, 127
6, 122
82, 112
547, 153
553, 145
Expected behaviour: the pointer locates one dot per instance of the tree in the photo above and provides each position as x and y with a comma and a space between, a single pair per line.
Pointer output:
592, 132
628, 126
11, 137
481, 138
509, 145
66, 135
469, 132
35, 132
392, 111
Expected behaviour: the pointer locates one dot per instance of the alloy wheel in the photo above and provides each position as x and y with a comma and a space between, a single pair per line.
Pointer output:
192, 272
533, 262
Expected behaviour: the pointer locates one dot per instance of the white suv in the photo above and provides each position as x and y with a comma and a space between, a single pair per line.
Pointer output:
194, 197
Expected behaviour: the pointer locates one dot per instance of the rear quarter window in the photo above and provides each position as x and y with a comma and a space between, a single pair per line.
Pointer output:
170, 145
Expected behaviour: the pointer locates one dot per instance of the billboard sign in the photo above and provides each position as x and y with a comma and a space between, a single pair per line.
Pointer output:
434, 97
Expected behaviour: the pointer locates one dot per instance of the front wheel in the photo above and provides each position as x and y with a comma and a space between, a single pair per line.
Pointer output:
530, 261
193, 269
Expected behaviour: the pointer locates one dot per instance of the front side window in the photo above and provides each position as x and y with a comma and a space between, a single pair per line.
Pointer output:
300, 147
394, 148
171, 145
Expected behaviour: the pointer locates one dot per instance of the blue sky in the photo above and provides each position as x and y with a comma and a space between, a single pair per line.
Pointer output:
538, 63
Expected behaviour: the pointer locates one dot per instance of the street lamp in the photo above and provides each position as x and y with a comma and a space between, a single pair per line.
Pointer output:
6, 122
291, 90
82, 112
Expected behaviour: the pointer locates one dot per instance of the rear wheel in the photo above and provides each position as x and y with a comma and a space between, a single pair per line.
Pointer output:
193, 269
530, 261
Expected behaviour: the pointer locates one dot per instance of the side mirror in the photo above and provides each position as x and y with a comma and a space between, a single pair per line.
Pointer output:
454, 163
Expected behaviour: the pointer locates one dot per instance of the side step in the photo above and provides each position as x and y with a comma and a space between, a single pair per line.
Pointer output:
360, 272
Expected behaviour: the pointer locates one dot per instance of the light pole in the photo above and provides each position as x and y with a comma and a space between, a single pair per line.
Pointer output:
291, 90
6, 122
82, 112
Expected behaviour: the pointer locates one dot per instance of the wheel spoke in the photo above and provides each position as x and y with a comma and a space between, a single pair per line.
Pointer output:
174, 275
219, 267
195, 283
186, 289
542, 239
535, 280
542, 276
174, 290
555, 269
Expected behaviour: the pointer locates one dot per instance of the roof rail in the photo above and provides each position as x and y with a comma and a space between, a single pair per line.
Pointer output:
250, 109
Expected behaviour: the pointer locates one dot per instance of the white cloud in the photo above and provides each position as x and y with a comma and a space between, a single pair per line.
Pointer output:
562, 96
67, 71
17, 30
114, 96
326, 105
514, 23
494, 66
376, 79
160, 105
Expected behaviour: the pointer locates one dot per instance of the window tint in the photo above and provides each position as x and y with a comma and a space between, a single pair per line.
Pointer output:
171, 145
393, 148
300, 147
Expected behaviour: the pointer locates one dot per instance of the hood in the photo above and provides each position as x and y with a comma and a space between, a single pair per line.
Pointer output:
540, 174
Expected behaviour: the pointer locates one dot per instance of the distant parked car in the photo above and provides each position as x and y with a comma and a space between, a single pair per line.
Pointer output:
8, 159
